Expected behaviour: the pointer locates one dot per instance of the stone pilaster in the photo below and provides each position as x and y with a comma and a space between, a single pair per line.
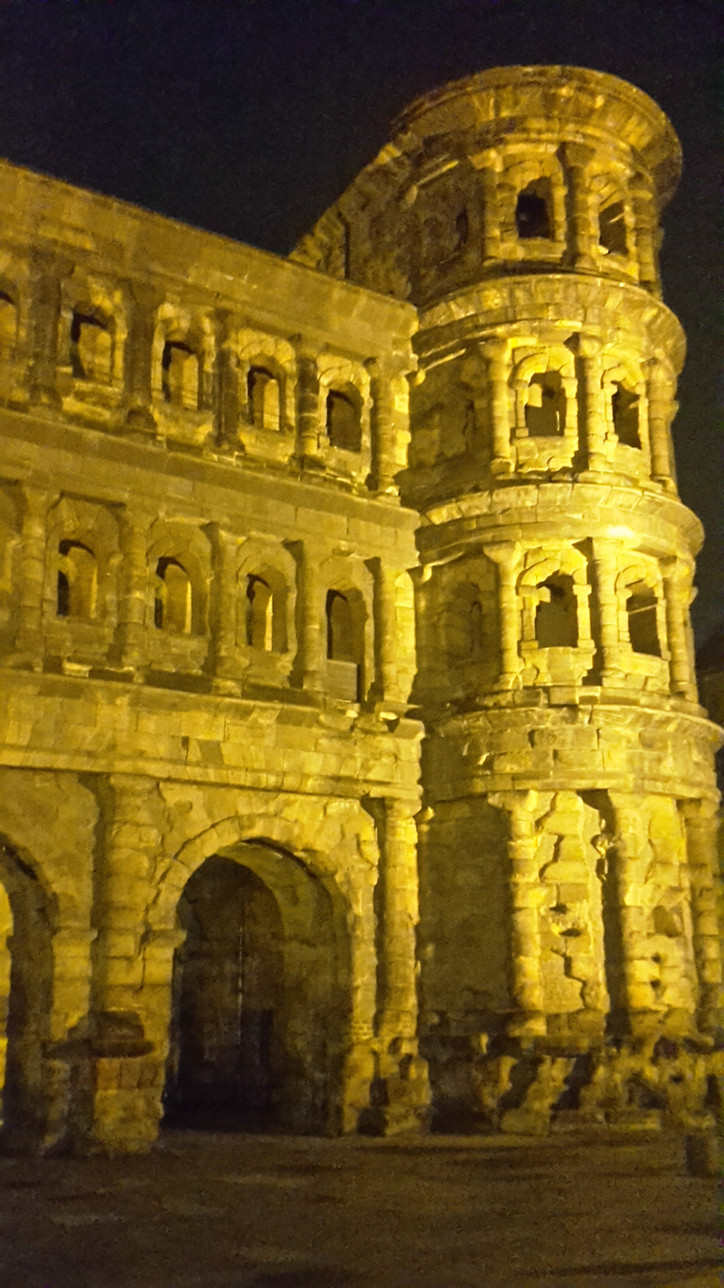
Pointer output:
227, 384
634, 1013
224, 657
383, 433
677, 595
592, 408
386, 644
701, 823
44, 318
646, 229
582, 224
525, 949
131, 631
605, 570
31, 584
506, 554
308, 410
491, 215
497, 355
143, 302
661, 407
307, 672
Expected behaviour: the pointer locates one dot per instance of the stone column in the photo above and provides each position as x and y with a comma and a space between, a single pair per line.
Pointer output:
677, 593
645, 231
497, 355
637, 1013
702, 824
31, 577
143, 302
582, 225
591, 402
127, 1072
384, 464
506, 554
308, 411
386, 688
307, 670
527, 988
44, 316
605, 572
224, 658
227, 384
403, 1075
131, 631
661, 408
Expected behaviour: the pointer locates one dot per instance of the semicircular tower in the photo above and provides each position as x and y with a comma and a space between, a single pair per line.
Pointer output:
568, 836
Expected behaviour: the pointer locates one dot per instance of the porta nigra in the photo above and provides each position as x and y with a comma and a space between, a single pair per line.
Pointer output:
353, 774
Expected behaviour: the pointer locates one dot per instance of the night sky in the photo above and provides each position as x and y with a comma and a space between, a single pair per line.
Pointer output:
249, 117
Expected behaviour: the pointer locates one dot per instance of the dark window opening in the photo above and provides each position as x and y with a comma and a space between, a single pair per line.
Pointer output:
643, 630
625, 411
263, 398
76, 582
532, 211
340, 628
172, 598
90, 348
63, 601
545, 409
612, 228
556, 616
180, 375
343, 422
259, 614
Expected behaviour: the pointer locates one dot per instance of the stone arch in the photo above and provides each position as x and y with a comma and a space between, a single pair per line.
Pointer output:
545, 388
349, 670
642, 611
29, 974
80, 594
182, 358
92, 333
554, 593
626, 403
314, 995
274, 356
273, 565
349, 384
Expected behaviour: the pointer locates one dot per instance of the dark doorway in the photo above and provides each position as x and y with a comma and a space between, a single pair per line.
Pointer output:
225, 1063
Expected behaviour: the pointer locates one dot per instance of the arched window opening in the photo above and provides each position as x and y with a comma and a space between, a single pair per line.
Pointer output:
556, 614
90, 348
259, 610
8, 326
612, 228
263, 398
545, 408
625, 412
533, 210
643, 630
180, 375
343, 422
77, 581
172, 598
340, 628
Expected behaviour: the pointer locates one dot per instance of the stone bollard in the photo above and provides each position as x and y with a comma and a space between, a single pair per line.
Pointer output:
701, 1153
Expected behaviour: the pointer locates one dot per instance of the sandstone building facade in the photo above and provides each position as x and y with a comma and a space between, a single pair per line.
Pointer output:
353, 774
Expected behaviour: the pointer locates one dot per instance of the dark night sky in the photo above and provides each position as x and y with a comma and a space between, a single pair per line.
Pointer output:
248, 117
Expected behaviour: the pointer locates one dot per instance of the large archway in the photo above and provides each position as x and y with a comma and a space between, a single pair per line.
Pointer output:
256, 1033
25, 998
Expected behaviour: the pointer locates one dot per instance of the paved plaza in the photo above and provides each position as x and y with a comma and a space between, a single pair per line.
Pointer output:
225, 1210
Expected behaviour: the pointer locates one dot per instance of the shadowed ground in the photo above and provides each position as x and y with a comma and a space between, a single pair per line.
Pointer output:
215, 1210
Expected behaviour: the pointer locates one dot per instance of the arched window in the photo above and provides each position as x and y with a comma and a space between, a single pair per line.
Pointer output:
556, 614
344, 427
263, 398
259, 609
625, 414
180, 375
340, 628
172, 598
533, 210
8, 326
77, 581
91, 348
545, 408
612, 227
643, 630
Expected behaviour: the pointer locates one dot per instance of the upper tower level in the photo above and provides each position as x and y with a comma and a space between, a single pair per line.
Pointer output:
515, 170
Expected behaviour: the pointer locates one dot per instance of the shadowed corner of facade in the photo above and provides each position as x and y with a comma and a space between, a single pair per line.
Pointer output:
354, 776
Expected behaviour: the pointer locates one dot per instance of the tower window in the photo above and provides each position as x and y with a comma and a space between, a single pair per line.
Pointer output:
545, 409
532, 210
556, 616
90, 348
172, 598
259, 613
343, 422
77, 581
263, 398
643, 630
612, 228
180, 375
625, 412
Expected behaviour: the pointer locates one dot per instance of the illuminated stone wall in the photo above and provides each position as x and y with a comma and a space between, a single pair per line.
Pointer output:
345, 648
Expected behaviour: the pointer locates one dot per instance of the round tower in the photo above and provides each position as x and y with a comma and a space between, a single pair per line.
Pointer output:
568, 934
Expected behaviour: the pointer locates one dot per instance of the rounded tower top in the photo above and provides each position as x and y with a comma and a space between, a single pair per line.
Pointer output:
513, 170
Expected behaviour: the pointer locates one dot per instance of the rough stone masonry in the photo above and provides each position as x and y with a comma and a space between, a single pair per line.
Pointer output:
353, 775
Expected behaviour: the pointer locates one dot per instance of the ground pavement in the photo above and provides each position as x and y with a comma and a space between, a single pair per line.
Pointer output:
216, 1210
